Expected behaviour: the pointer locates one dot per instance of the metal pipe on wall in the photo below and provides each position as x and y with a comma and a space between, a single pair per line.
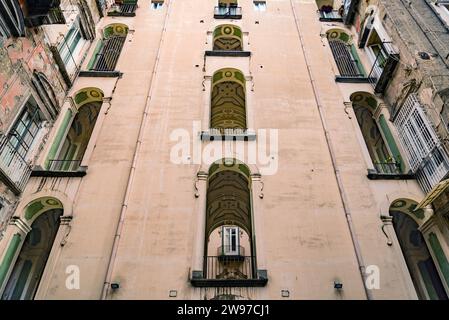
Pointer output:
330, 146
121, 221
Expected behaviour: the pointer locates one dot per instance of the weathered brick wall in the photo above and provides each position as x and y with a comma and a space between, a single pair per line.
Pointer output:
423, 41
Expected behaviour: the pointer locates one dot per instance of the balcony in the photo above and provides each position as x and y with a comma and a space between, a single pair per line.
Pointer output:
228, 252
228, 134
43, 12
433, 168
388, 171
228, 12
61, 168
227, 53
123, 9
229, 271
14, 169
330, 16
383, 67
349, 66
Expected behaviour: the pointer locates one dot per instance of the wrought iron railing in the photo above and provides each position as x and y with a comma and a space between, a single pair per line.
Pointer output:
125, 9
229, 267
333, 15
228, 250
377, 75
348, 67
228, 11
13, 165
107, 58
388, 167
64, 165
433, 168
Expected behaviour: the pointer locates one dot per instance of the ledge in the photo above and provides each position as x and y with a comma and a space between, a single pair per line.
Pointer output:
246, 136
374, 175
227, 16
343, 79
227, 53
202, 283
198, 281
39, 172
121, 14
322, 19
99, 74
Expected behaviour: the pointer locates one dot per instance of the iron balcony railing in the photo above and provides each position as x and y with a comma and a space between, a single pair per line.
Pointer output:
107, 58
383, 67
229, 267
125, 9
348, 67
64, 165
387, 167
228, 250
333, 15
13, 165
433, 168
228, 12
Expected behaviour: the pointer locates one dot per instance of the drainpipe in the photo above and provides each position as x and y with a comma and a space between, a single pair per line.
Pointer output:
121, 221
330, 147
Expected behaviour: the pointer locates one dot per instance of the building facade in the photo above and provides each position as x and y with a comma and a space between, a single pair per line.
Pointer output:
277, 149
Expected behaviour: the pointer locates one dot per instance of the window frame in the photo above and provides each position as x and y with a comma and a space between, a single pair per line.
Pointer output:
260, 5
157, 4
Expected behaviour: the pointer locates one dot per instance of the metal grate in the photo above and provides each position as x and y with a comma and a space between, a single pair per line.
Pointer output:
108, 56
229, 267
347, 65
423, 148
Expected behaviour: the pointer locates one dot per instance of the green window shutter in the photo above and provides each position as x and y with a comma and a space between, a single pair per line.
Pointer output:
356, 57
391, 142
9, 256
440, 256
58, 139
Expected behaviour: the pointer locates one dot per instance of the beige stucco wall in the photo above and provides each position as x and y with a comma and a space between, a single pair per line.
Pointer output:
302, 235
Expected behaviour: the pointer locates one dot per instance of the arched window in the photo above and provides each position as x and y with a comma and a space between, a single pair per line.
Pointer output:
228, 38
71, 152
228, 102
229, 251
420, 264
46, 93
364, 105
11, 19
109, 48
345, 54
29, 266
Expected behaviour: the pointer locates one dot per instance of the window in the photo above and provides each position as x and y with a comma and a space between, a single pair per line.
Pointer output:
260, 5
68, 47
156, 5
25, 129
231, 240
427, 157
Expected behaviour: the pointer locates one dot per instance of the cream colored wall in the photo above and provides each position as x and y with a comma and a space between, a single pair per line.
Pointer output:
302, 234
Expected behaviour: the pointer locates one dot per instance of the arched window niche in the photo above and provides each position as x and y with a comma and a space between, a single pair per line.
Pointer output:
108, 49
229, 246
379, 140
43, 215
427, 273
227, 41
228, 107
71, 142
346, 57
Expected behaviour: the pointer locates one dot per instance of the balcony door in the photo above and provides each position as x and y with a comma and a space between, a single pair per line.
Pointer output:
231, 241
